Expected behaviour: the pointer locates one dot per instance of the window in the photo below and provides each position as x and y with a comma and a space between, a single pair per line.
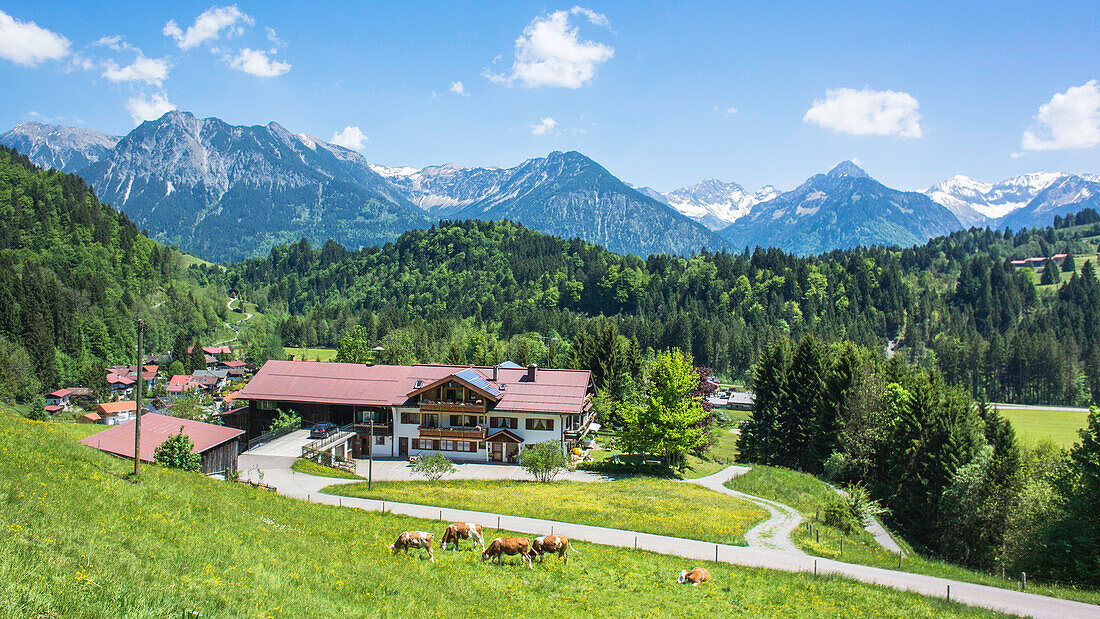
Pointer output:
504, 422
413, 418
429, 420
380, 440
540, 424
447, 445
265, 405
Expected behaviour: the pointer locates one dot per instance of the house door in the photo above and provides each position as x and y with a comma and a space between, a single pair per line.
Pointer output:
496, 452
403, 446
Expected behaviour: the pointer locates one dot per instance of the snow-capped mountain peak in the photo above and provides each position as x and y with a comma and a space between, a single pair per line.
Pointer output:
975, 202
717, 204
56, 146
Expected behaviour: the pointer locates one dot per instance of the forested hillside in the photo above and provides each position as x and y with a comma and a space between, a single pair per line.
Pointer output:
74, 273
478, 291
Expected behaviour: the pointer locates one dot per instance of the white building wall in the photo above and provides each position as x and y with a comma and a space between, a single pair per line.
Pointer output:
530, 437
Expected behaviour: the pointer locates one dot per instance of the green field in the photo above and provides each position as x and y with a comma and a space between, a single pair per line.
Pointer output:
81, 539
806, 493
722, 454
311, 354
642, 504
1033, 425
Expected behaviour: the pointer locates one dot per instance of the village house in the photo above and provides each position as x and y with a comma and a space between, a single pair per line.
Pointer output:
110, 413
216, 445
464, 412
57, 401
179, 385
211, 381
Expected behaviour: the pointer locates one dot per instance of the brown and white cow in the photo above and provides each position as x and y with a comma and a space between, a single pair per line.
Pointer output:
552, 544
508, 546
462, 530
414, 539
695, 576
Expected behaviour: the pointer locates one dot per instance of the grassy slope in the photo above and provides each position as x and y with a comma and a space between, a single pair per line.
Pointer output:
312, 354
310, 467
806, 493
79, 540
722, 454
642, 504
1033, 425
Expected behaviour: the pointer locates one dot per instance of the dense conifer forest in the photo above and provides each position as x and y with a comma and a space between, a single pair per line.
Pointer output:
479, 292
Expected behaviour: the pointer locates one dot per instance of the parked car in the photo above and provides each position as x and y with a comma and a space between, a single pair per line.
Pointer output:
322, 430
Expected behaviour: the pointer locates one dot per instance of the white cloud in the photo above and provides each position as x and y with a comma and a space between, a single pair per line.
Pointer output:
209, 25
152, 71
273, 37
867, 112
143, 108
544, 126
550, 52
351, 137
26, 44
1070, 120
459, 89
727, 111
255, 62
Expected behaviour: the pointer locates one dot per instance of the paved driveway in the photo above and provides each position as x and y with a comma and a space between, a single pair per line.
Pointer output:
289, 446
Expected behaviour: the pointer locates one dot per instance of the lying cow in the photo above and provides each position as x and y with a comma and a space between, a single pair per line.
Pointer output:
462, 530
695, 576
414, 539
552, 544
508, 546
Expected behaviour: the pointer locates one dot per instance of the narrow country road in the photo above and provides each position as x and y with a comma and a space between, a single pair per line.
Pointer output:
773, 533
308, 487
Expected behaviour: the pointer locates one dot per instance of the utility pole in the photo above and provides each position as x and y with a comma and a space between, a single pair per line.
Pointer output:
370, 462
137, 400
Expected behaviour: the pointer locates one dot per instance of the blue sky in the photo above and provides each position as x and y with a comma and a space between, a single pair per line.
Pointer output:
661, 94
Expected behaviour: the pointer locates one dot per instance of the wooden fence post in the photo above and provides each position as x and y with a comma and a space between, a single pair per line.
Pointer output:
1023, 580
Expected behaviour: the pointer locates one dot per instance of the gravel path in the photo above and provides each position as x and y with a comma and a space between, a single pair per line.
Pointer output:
773, 533
308, 487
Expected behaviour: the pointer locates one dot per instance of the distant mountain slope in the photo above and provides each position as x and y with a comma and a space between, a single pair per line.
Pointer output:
977, 204
838, 210
564, 194
69, 149
227, 192
568, 194
716, 204
1067, 194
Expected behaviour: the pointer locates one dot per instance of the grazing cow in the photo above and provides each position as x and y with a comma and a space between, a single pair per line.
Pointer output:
695, 576
414, 539
462, 530
552, 543
508, 546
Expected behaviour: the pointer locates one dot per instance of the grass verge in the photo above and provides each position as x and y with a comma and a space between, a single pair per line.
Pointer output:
806, 493
309, 467
641, 504
311, 354
79, 539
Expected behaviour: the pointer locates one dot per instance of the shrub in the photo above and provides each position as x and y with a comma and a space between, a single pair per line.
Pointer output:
433, 467
544, 461
838, 467
285, 420
175, 452
38, 409
836, 513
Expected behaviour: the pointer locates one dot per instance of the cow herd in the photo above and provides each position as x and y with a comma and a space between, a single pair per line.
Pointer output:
497, 548
527, 550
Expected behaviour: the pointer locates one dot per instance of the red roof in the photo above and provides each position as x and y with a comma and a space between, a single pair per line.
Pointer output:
181, 382
113, 408
115, 379
236, 363
60, 393
553, 391
155, 429
53, 408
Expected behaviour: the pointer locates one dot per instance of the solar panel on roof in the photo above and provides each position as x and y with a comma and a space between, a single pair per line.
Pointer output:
471, 376
511, 365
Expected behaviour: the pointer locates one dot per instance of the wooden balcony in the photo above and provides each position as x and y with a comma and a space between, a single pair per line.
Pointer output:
380, 428
465, 434
451, 407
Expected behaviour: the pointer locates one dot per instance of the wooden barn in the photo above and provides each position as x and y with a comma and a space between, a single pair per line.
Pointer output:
217, 445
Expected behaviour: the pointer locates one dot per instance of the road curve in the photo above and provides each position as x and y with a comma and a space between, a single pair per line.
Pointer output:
773, 533
307, 487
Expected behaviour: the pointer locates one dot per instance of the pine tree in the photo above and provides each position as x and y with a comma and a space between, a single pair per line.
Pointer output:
1068, 264
1050, 274
759, 438
802, 409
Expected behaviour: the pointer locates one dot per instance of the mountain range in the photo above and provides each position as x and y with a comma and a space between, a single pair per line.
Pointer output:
226, 192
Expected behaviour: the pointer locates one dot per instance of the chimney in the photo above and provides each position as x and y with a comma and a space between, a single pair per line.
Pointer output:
531, 371
495, 368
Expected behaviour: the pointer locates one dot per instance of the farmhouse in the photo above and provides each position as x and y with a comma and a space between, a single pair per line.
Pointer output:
468, 413
216, 445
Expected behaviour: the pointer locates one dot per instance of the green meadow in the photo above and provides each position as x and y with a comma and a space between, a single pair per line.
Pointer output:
80, 538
